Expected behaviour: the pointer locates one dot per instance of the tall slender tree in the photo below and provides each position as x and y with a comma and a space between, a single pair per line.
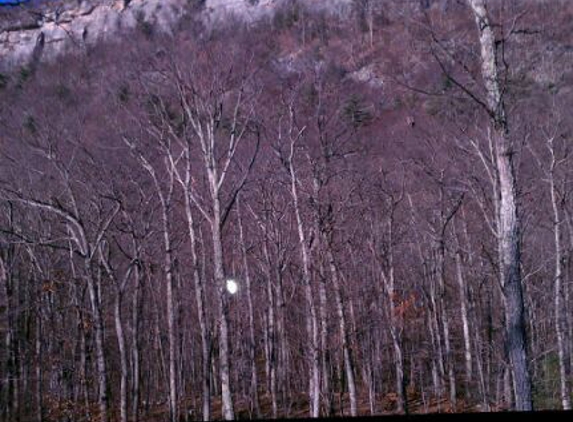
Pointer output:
508, 230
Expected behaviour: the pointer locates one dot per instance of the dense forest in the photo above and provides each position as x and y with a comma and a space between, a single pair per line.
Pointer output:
308, 215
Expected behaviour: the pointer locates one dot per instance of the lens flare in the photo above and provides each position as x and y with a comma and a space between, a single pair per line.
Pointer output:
232, 286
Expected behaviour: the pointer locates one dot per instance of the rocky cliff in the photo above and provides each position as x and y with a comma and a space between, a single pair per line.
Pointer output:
44, 29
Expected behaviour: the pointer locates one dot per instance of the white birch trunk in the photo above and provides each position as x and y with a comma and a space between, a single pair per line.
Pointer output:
99, 344
200, 300
509, 226
342, 326
224, 359
560, 329
168, 270
465, 319
251, 315
122, 357
135, 348
324, 355
312, 319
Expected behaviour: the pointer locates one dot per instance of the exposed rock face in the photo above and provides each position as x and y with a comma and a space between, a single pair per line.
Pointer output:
253, 10
57, 27
52, 27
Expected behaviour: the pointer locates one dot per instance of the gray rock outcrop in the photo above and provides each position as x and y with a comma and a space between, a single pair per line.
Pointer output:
76, 24
43, 32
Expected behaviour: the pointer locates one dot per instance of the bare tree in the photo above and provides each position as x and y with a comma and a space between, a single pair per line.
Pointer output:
252, 340
204, 107
558, 156
293, 135
165, 195
120, 285
509, 224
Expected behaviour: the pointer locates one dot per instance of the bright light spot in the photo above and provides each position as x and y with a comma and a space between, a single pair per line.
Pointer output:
232, 286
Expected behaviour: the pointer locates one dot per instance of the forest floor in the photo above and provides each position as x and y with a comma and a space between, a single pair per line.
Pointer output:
298, 407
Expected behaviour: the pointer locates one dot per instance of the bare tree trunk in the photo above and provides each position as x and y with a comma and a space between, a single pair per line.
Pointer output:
99, 343
436, 336
509, 225
312, 319
206, 127
120, 286
560, 327
465, 319
6, 401
387, 272
272, 352
83, 388
200, 300
569, 316
122, 356
39, 371
438, 366
252, 338
368, 378
346, 351
507, 387
436, 358
224, 359
474, 321
484, 388
395, 328
283, 356
168, 269
136, 341
441, 308
271, 329
165, 199
325, 354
